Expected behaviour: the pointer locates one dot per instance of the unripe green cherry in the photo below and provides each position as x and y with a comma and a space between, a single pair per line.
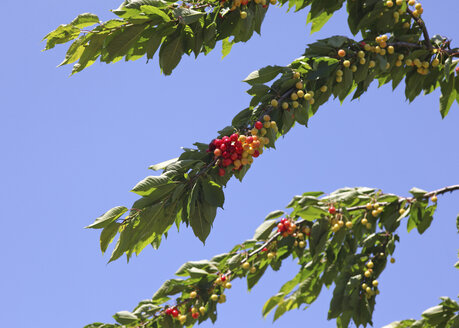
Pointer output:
274, 103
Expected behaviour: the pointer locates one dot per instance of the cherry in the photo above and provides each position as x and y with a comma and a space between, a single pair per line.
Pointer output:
341, 53
175, 313
256, 153
193, 294
280, 227
249, 140
217, 143
223, 278
217, 152
264, 249
227, 162
195, 315
168, 311
234, 137
258, 125
332, 210
221, 172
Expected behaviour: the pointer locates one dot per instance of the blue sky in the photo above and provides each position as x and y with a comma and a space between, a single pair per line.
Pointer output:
73, 147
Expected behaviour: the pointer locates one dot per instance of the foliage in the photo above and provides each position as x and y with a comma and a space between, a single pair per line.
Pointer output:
190, 188
343, 240
349, 233
446, 314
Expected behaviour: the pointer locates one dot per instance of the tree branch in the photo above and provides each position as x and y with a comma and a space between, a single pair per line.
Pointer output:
422, 25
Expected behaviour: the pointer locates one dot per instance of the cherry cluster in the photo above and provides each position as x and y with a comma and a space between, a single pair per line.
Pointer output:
239, 150
173, 311
286, 227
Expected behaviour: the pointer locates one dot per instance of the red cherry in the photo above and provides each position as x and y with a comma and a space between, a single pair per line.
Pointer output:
244, 2
332, 210
258, 125
168, 311
221, 172
217, 152
280, 227
249, 140
175, 313
234, 156
457, 70
227, 162
222, 147
226, 139
223, 278
225, 154
283, 220
217, 143
195, 315
265, 249
256, 153
286, 224
234, 137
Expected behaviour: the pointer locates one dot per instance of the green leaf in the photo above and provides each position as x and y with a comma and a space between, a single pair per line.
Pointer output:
185, 268
85, 20
265, 229
263, 75
319, 21
418, 193
213, 193
91, 52
156, 12
201, 219
272, 303
311, 213
122, 42
274, 215
171, 52
448, 95
62, 34
75, 50
125, 317
226, 47
187, 16
242, 118
107, 235
163, 165
170, 287
253, 278
107, 218
147, 185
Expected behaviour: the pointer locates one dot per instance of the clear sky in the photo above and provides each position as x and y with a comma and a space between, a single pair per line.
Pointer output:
72, 147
